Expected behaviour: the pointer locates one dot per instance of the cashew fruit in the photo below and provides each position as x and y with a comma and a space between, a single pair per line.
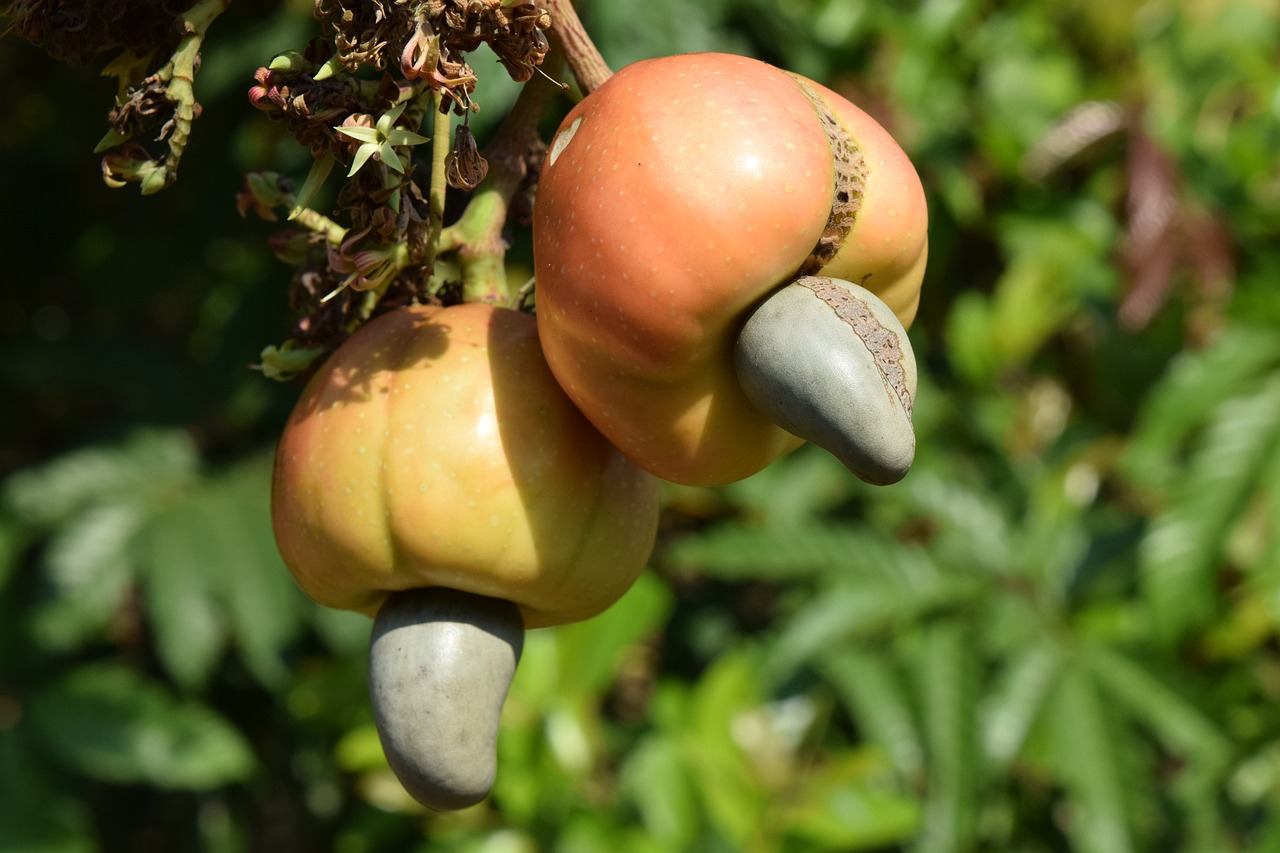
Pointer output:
433, 474
674, 200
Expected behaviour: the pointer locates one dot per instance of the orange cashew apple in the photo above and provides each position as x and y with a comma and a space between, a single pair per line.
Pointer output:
675, 201
434, 473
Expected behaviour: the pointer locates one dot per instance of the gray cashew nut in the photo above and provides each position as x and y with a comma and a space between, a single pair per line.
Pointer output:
440, 664
829, 362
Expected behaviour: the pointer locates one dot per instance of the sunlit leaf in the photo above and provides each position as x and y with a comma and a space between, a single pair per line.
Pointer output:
592, 651
878, 698
88, 570
1196, 384
116, 473
1017, 701
1085, 754
947, 671
1178, 558
655, 777
845, 805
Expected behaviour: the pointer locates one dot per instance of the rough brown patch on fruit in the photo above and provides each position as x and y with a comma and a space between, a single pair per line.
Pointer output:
884, 345
850, 183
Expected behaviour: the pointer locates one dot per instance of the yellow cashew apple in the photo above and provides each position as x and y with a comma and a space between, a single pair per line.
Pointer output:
435, 448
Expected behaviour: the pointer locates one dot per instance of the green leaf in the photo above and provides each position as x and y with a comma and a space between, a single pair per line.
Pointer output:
844, 804
212, 568
35, 816
731, 792
179, 577
654, 777
836, 617
263, 604
591, 652
311, 185
878, 698
1086, 759
1196, 384
947, 670
108, 723
1017, 701
973, 528
11, 545
1182, 727
1178, 558
146, 462
88, 569
743, 551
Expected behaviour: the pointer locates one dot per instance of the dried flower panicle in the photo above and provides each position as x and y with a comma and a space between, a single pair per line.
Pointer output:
429, 39
312, 108
81, 29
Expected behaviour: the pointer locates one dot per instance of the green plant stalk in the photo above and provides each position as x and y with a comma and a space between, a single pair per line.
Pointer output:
315, 221
440, 144
476, 237
180, 73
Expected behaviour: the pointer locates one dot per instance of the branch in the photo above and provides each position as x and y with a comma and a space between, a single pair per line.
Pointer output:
580, 52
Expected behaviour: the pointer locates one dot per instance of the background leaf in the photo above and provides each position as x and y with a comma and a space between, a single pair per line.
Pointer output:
110, 724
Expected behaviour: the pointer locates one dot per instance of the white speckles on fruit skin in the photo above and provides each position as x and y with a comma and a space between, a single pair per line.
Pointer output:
497, 487
699, 124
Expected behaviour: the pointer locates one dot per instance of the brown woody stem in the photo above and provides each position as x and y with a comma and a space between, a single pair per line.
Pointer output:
580, 52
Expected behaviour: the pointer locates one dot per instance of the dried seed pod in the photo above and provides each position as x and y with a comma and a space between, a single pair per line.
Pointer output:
465, 167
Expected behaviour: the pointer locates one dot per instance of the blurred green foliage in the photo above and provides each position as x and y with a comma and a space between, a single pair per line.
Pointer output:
1058, 633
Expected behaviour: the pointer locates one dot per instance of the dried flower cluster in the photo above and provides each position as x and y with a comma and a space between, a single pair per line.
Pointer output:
312, 108
429, 39
81, 29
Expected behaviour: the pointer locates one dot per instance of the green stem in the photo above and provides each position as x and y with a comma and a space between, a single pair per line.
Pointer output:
321, 224
476, 236
440, 143
180, 73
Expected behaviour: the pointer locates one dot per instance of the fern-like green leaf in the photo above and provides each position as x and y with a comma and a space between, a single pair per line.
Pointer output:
1196, 383
973, 529
87, 570
1017, 700
1182, 728
947, 668
877, 696
1086, 761
146, 462
1178, 557
741, 552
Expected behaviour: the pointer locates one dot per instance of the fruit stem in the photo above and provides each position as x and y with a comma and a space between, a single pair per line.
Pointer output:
580, 52
476, 236
440, 145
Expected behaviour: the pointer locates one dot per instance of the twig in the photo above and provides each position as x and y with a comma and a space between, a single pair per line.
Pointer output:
580, 52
